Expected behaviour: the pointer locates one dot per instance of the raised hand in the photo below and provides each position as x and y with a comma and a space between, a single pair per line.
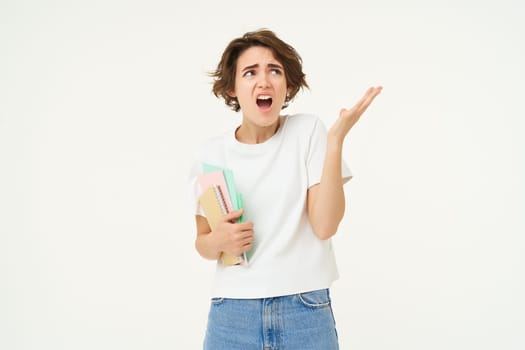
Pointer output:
348, 117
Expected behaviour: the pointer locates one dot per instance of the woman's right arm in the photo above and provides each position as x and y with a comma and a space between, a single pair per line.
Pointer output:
229, 236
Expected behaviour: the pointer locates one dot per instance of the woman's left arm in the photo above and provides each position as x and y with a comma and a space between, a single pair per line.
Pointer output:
326, 200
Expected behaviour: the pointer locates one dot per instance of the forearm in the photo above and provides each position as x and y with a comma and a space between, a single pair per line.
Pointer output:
326, 206
207, 246
329, 205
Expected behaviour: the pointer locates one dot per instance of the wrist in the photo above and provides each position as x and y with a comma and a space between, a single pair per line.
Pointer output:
334, 144
216, 242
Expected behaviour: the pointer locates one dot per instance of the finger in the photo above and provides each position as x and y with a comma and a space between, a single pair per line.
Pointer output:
367, 99
363, 102
245, 236
373, 94
247, 244
241, 249
246, 241
242, 227
241, 240
370, 94
246, 247
233, 215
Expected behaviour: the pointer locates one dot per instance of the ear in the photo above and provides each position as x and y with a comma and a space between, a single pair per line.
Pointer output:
232, 94
288, 91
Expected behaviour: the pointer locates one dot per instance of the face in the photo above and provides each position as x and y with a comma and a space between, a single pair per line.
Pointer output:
260, 86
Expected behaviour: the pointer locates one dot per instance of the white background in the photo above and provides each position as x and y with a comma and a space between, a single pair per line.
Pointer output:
102, 103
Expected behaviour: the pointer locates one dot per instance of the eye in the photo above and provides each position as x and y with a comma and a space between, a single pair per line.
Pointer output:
249, 73
276, 71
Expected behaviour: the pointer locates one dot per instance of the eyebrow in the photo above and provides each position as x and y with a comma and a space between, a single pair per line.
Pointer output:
271, 65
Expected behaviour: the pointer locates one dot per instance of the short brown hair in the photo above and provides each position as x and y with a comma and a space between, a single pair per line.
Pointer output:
224, 75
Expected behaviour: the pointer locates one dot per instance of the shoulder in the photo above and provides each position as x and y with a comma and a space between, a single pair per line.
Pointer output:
305, 123
211, 145
303, 119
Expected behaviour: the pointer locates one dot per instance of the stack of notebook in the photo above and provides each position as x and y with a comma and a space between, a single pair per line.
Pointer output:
219, 197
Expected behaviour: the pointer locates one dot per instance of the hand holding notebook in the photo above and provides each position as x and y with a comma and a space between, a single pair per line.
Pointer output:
219, 197
233, 237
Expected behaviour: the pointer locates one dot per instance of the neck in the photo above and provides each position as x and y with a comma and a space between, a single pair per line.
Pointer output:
254, 134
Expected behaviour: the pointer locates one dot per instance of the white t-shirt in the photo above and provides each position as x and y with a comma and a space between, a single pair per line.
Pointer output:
273, 178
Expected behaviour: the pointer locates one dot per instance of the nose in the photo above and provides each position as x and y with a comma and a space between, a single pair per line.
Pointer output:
263, 80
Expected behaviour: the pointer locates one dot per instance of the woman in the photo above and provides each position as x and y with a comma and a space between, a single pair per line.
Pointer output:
291, 174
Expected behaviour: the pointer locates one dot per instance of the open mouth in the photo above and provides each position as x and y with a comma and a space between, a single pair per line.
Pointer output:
264, 101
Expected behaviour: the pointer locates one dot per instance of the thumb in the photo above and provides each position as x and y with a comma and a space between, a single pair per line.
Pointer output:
233, 215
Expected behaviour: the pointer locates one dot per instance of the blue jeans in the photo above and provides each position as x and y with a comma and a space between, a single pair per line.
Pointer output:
294, 322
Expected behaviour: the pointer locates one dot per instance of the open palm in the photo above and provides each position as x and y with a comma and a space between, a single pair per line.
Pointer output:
348, 117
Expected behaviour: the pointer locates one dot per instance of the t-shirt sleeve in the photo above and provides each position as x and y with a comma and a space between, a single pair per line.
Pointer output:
194, 191
316, 155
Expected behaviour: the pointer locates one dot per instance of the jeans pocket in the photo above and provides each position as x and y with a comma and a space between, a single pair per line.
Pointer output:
217, 301
315, 299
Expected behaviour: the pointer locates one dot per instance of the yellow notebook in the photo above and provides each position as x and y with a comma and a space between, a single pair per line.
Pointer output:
214, 206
